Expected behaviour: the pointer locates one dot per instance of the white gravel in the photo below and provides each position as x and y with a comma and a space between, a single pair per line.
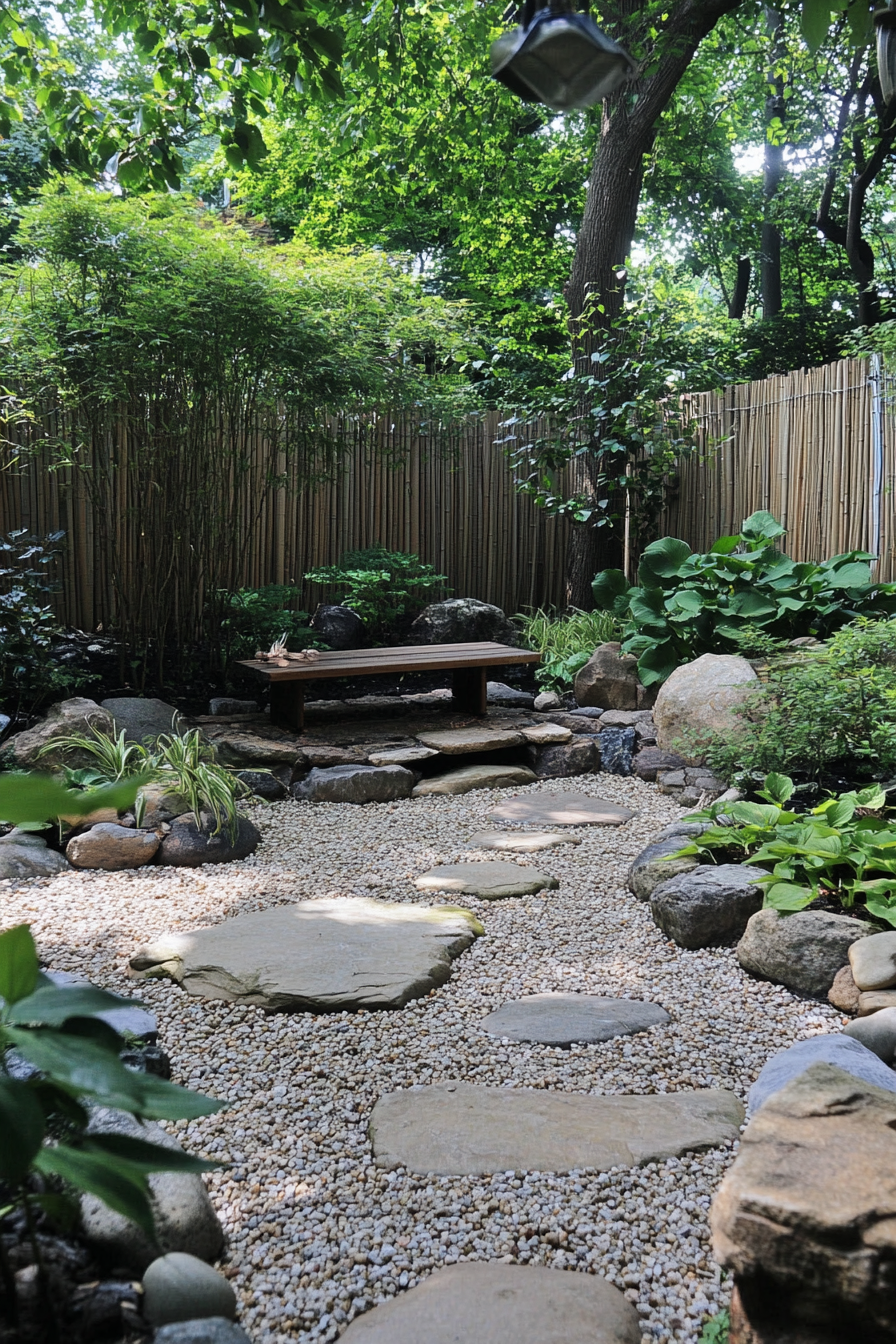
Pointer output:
316, 1232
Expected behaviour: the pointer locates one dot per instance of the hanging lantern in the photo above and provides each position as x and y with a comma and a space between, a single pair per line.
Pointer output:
559, 57
885, 22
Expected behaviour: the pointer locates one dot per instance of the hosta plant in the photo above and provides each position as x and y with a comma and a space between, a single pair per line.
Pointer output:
843, 848
686, 604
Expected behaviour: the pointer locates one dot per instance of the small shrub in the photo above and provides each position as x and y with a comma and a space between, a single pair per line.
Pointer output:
254, 618
30, 675
687, 604
715, 1330
383, 587
566, 642
839, 850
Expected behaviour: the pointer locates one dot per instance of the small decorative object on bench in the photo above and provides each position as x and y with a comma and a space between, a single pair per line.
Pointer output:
468, 663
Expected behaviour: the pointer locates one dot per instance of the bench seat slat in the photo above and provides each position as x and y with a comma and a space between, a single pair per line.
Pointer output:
411, 658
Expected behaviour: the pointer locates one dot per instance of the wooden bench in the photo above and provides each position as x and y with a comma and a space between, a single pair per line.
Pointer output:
468, 664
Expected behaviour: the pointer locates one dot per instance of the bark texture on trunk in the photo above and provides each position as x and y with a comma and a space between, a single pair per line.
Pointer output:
772, 175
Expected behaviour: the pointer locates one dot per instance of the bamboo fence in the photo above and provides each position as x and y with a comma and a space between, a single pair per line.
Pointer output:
817, 448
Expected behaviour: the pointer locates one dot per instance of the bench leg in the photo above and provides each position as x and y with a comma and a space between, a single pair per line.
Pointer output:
468, 690
288, 705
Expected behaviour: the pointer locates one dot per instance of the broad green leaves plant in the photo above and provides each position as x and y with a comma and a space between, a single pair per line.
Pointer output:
843, 848
686, 604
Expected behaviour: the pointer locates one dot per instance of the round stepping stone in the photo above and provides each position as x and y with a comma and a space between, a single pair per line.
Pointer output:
502, 1304
564, 1019
462, 1129
561, 809
317, 956
521, 842
491, 880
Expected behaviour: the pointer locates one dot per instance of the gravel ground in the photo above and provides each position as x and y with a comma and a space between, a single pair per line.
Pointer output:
316, 1233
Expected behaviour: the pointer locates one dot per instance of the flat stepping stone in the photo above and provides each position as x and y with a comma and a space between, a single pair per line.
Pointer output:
521, 842
561, 809
491, 880
459, 741
401, 755
502, 1304
564, 1019
316, 956
546, 734
470, 777
462, 1129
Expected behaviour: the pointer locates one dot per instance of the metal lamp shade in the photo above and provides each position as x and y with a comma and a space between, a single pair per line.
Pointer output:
885, 22
562, 60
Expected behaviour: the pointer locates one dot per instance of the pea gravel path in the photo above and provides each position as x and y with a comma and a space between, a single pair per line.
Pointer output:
317, 1233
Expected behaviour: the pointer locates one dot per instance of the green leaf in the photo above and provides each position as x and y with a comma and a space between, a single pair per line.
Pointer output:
786, 896
607, 586
751, 604
36, 797
18, 963
21, 1127
756, 814
657, 664
777, 789
114, 1182
662, 559
50, 1006
143, 1155
762, 525
725, 545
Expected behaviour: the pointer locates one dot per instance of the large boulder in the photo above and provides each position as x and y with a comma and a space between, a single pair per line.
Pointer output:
77, 715
189, 846
182, 1212
181, 1287
708, 906
656, 864
141, 718
702, 697
112, 848
462, 620
340, 627
803, 951
261, 749
24, 855
355, 784
610, 679
806, 1216
841, 1051
560, 760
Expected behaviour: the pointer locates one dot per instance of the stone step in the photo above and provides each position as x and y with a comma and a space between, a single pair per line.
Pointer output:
565, 1019
491, 880
561, 809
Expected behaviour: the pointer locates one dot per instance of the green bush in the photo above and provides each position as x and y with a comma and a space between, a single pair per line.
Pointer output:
30, 674
831, 709
566, 642
687, 604
383, 587
840, 849
58, 1030
253, 618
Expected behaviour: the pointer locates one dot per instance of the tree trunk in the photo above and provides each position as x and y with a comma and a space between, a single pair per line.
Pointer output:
772, 175
738, 304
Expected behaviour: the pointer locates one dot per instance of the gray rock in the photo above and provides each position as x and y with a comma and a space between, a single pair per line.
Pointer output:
564, 759
225, 705
112, 848
873, 962
521, 842
844, 992
462, 620
561, 809
877, 1033
501, 1304
461, 1129
547, 700
316, 955
576, 721
188, 846
77, 715
491, 880
617, 746
141, 718
508, 697
588, 712
461, 741
157, 803
135, 1020
875, 1001
546, 734
655, 865
28, 856
705, 696
708, 906
401, 755
840, 1050
182, 1211
355, 784
263, 784
651, 761
683, 828
262, 748
211, 1330
340, 627
470, 777
803, 951
609, 680
181, 1287
564, 1019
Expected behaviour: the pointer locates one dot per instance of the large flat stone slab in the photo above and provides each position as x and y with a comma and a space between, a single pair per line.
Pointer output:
470, 777
561, 809
563, 1019
461, 1129
491, 880
502, 1304
317, 955
459, 741
521, 842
